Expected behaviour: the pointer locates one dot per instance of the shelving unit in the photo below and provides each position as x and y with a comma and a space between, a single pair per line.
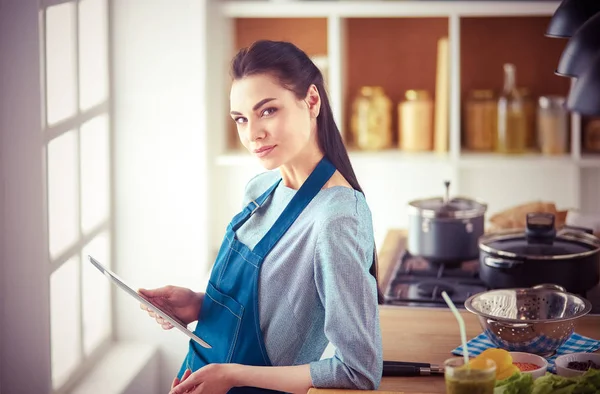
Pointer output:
393, 44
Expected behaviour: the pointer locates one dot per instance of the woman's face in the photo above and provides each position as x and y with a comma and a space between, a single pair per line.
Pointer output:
272, 123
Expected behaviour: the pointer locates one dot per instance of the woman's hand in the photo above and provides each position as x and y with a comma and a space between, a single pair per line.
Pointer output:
210, 379
176, 381
179, 302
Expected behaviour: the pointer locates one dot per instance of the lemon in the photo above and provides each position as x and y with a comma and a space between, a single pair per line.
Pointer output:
507, 372
478, 363
504, 362
501, 357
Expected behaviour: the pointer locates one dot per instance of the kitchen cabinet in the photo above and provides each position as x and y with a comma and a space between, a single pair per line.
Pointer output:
394, 44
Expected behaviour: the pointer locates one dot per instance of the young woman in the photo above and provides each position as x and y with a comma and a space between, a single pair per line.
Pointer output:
297, 268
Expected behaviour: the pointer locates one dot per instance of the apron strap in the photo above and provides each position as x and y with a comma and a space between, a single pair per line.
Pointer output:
309, 189
252, 206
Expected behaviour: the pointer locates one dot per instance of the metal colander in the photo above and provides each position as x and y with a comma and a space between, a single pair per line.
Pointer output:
532, 320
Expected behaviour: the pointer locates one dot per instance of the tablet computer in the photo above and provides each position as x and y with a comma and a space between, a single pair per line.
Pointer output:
123, 286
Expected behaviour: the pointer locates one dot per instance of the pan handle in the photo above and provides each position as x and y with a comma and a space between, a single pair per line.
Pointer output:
498, 262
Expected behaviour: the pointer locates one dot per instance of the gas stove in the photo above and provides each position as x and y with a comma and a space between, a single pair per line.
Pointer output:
417, 282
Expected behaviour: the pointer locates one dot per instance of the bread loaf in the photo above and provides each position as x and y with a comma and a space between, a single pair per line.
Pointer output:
516, 217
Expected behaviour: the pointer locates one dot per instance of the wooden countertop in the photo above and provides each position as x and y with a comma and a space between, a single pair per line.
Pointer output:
424, 334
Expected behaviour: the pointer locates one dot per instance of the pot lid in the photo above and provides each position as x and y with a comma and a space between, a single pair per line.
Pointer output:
540, 241
458, 207
445, 207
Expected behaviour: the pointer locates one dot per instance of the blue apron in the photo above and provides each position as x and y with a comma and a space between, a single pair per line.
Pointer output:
229, 317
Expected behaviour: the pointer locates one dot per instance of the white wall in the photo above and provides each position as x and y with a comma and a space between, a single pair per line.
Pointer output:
2, 225
24, 285
591, 189
388, 188
390, 185
161, 180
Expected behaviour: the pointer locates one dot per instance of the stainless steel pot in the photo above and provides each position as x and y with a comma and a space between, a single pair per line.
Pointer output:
445, 230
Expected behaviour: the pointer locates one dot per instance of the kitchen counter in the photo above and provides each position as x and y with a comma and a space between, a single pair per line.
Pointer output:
424, 334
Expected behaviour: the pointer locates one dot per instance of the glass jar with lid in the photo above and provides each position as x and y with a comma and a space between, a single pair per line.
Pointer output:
415, 121
529, 104
480, 120
371, 121
553, 125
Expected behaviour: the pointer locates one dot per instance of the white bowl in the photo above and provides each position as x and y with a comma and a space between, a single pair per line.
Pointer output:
520, 357
564, 360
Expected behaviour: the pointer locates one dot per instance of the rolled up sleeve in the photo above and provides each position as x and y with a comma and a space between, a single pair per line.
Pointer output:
348, 293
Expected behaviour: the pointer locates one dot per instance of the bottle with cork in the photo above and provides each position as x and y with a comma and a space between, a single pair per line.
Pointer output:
512, 116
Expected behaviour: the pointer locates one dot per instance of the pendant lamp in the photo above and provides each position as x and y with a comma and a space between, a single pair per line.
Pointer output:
581, 49
570, 15
584, 96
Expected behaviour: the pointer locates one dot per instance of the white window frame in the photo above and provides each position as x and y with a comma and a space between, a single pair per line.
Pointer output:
52, 132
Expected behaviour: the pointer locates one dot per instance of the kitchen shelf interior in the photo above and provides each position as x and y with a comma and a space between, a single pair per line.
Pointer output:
397, 54
400, 53
487, 43
590, 137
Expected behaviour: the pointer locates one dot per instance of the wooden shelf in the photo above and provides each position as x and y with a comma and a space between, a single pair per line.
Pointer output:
590, 161
466, 160
398, 156
474, 160
381, 8
240, 157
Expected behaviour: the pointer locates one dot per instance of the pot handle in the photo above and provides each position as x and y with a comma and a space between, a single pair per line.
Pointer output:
586, 230
498, 262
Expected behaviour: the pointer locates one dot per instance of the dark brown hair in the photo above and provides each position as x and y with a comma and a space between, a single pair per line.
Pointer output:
296, 72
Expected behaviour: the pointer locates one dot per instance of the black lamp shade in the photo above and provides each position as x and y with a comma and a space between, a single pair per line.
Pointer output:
581, 49
584, 97
570, 15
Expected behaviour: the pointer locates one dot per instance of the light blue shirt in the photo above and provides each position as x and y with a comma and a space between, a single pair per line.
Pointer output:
315, 286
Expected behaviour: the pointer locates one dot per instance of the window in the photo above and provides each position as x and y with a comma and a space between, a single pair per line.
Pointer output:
78, 156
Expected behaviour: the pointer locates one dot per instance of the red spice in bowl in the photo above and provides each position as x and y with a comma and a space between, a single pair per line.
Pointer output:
526, 366
530, 364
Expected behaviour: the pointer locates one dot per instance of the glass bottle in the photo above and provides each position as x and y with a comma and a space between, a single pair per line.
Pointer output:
512, 116
371, 122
